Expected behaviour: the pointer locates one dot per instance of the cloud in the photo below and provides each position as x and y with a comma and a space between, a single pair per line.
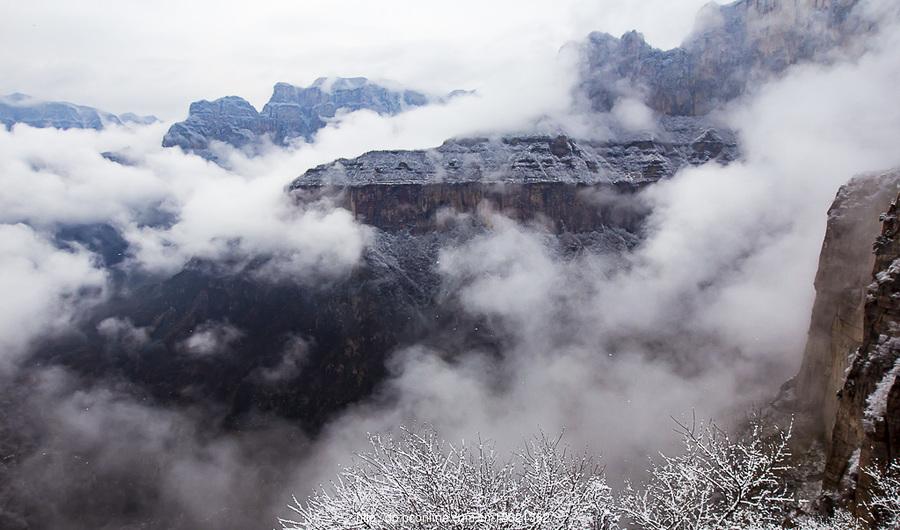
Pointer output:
708, 313
44, 289
633, 115
293, 357
107, 457
210, 338
172, 207
122, 336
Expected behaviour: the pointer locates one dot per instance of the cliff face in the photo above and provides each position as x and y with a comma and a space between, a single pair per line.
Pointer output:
867, 427
628, 158
732, 47
292, 112
350, 326
845, 271
570, 183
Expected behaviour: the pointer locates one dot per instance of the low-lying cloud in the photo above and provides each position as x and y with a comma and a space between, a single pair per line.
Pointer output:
708, 313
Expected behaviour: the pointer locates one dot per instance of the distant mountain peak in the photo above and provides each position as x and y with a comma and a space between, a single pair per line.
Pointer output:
22, 108
732, 48
292, 112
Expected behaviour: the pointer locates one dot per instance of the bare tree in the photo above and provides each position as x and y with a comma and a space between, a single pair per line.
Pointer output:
421, 482
884, 504
418, 481
716, 483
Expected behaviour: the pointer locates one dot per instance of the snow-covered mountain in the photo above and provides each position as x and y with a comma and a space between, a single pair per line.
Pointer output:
292, 112
21, 108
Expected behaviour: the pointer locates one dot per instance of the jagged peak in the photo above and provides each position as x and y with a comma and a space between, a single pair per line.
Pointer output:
220, 103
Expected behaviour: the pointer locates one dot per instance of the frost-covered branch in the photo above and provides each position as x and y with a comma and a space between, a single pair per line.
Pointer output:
716, 483
884, 504
419, 481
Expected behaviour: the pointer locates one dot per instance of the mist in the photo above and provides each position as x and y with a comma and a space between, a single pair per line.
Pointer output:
707, 315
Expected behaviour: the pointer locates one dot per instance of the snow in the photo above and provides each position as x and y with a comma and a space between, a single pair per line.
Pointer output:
877, 400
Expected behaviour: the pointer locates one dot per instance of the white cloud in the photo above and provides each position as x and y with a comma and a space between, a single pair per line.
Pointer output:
43, 287
52, 177
710, 312
210, 338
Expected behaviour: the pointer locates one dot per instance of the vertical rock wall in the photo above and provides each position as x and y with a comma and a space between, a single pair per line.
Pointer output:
867, 424
845, 271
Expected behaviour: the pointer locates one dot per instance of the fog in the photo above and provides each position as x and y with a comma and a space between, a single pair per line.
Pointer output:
708, 314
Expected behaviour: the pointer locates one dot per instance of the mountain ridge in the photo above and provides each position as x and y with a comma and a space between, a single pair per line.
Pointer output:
22, 108
291, 113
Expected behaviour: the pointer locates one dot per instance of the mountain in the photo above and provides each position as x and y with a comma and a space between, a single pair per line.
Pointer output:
20, 108
522, 176
733, 48
580, 190
350, 325
292, 112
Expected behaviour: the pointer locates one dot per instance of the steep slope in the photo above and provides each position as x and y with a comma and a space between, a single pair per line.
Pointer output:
525, 176
867, 427
845, 271
292, 112
20, 108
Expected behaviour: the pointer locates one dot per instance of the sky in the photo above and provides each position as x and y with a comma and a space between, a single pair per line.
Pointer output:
157, 57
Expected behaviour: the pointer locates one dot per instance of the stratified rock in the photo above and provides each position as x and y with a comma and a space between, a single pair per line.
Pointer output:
867, 427
844, 274
524, 176
732, 48
20, 108
292, 112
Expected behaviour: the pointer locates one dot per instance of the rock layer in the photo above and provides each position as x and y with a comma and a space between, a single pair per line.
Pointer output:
844, 273
867, 427
632, 159
572, 185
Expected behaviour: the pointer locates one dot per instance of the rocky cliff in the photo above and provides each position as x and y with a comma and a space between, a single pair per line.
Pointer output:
844, 274
292, 112
20, 108
560, 179
731, 49
867, 426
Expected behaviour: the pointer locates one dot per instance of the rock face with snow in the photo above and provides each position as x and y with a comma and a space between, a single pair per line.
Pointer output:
731, 48
524, 176
20, 108
292, 112
627, 158
844, 274
867, 427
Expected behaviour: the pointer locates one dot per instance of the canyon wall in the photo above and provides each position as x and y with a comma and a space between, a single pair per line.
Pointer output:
847, 382
867, 425
845, 271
